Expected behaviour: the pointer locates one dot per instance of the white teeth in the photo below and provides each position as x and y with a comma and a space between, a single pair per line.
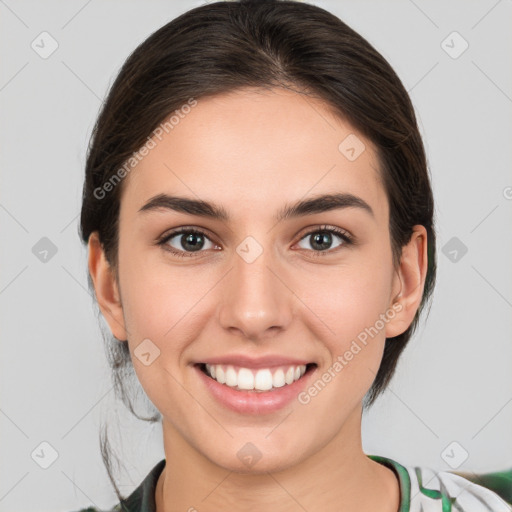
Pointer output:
245, 379
263, 379
220, 376
231, 377
278, 379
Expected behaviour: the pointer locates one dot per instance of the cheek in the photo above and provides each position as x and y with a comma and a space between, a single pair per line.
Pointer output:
352, 297
160, 304
350, 302
165, 303
157, 299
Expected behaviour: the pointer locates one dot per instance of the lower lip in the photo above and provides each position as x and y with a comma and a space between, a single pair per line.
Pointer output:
255, 402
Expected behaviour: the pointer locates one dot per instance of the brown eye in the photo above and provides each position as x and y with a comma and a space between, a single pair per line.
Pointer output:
322, 240
185, 242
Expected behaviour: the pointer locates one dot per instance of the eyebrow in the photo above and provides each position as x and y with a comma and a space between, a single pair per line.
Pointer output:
310, 206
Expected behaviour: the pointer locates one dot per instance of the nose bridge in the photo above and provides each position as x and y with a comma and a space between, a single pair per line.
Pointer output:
256, 301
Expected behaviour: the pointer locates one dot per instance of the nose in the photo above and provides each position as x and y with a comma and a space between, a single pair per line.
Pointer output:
257, 302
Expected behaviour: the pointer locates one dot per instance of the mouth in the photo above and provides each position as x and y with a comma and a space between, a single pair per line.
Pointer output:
254, 380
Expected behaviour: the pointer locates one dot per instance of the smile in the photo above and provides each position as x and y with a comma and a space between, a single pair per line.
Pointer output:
262, 379
249, 385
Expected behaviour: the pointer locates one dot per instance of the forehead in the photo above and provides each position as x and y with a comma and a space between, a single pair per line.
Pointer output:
257, 148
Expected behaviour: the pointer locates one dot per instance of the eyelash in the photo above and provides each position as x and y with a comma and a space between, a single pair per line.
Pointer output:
344, 235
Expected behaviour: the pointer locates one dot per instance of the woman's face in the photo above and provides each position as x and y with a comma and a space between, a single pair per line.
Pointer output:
257, 290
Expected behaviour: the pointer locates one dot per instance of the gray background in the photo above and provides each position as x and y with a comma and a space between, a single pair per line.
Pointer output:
454, 381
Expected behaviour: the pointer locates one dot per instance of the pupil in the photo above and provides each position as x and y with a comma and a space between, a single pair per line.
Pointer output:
190, 239
322, 240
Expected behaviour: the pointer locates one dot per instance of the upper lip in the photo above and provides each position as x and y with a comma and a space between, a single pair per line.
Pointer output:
255, 362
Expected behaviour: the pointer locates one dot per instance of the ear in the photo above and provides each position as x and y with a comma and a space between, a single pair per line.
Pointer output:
106, 288
409, 282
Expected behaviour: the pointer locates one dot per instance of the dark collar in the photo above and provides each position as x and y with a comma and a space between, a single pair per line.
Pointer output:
142, 499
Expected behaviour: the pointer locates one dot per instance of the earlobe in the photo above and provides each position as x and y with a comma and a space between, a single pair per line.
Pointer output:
410, 275
106, 288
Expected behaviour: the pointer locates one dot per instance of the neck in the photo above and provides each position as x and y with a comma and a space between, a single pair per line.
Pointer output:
339, 477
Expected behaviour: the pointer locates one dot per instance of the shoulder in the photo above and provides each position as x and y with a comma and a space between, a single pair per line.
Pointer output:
142, 499
425, 489
498, 481
453, 490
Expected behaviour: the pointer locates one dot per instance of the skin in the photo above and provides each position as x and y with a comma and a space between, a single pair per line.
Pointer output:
270, 148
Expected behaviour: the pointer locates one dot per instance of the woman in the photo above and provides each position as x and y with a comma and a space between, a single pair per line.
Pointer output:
259, 220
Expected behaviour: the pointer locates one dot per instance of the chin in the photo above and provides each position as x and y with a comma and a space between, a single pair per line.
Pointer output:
258, 458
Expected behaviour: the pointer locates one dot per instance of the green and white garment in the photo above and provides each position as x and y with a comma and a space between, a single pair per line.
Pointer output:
426, 490
421, 490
